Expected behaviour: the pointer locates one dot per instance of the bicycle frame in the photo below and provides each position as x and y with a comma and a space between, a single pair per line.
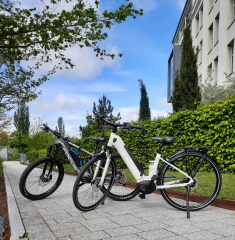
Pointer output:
66, 151
118, 143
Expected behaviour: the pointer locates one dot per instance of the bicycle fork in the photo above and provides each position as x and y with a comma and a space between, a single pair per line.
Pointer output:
108, 155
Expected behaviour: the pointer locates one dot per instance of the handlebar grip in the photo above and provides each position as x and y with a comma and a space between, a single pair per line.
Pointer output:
135, 126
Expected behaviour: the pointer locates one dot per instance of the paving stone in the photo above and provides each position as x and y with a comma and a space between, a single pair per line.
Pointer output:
126, 237
30, 214
180, 230
37, 228
70, 231
91, 236
65, 226
202, 235
176, 222
94, 215
127, 220
151, 226
64, 238
156, 234
115, 232
41, 236
32, 220
228, 231
100, 226
175, 238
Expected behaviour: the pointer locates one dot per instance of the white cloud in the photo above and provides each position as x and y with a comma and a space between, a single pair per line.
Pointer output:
147, 5
58, 102
127, 114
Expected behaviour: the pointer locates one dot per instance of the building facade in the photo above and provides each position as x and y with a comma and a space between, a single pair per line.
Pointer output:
213, 32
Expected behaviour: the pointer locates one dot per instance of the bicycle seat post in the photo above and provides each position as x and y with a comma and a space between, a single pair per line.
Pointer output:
95, 149
159, 149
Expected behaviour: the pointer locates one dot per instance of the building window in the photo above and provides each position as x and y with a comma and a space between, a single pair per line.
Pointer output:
210, 73
217, 29
232, 57
211, 4
171, 77
233, 9
197, 24
201, 17
210, 38
200, 53
216, 69
231, 12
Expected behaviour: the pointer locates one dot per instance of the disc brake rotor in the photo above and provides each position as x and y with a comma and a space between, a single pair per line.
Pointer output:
121, 177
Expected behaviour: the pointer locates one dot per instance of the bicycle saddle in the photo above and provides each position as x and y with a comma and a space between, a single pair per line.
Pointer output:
98, 139
163, 139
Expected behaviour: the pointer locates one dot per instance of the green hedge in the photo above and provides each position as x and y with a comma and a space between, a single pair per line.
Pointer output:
211, 125
34, 155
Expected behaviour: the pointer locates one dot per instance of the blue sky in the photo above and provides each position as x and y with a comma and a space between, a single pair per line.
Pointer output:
146, 45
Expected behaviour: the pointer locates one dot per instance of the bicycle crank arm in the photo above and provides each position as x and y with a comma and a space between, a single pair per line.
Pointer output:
189, 189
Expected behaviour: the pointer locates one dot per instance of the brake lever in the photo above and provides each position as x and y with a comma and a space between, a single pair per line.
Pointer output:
135, 131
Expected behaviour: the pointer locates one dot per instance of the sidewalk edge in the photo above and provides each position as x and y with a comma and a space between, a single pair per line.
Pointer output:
16, 224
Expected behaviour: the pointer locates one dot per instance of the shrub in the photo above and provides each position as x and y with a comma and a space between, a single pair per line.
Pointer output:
209, 125
13, 153
32, 156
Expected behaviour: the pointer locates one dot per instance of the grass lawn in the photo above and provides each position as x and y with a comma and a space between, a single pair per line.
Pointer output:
227, 189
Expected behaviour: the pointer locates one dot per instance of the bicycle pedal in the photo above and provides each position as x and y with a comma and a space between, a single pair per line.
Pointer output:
142, 195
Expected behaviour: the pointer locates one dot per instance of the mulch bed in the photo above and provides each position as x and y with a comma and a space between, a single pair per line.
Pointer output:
4, 207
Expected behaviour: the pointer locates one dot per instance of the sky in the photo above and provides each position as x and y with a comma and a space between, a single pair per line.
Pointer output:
146, 44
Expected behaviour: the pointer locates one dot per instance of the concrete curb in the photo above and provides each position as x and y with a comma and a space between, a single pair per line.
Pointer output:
16, 225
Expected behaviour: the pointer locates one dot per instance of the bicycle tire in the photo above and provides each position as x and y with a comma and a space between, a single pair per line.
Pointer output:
119, 191
34, 171
177, 197
85, 182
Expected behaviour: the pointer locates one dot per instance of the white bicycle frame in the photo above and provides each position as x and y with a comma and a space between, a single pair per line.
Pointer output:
118, 143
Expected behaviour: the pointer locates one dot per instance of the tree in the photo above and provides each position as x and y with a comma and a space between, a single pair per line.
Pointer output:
61, 126
177, 97
105, 108
27, 34
21, 118
39, 139
187, 92
145, 112
5, 120
18, 141
4, 138
212, 92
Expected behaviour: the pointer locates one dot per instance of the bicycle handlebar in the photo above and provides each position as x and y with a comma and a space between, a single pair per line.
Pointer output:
125, 125
56, 133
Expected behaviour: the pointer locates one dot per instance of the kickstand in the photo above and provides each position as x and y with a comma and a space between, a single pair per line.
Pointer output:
189, 188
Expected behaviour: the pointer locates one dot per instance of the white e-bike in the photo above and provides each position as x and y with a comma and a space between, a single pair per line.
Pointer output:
193, 174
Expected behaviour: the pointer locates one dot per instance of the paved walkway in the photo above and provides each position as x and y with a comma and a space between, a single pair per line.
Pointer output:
152, 218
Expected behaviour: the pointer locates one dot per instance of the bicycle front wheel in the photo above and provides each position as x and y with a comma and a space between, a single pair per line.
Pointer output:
122, 190
206, 186
87, 193
38, 182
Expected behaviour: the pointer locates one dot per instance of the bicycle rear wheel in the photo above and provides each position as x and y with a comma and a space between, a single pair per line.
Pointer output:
87, 193
207, 181
37, 182
121, 189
